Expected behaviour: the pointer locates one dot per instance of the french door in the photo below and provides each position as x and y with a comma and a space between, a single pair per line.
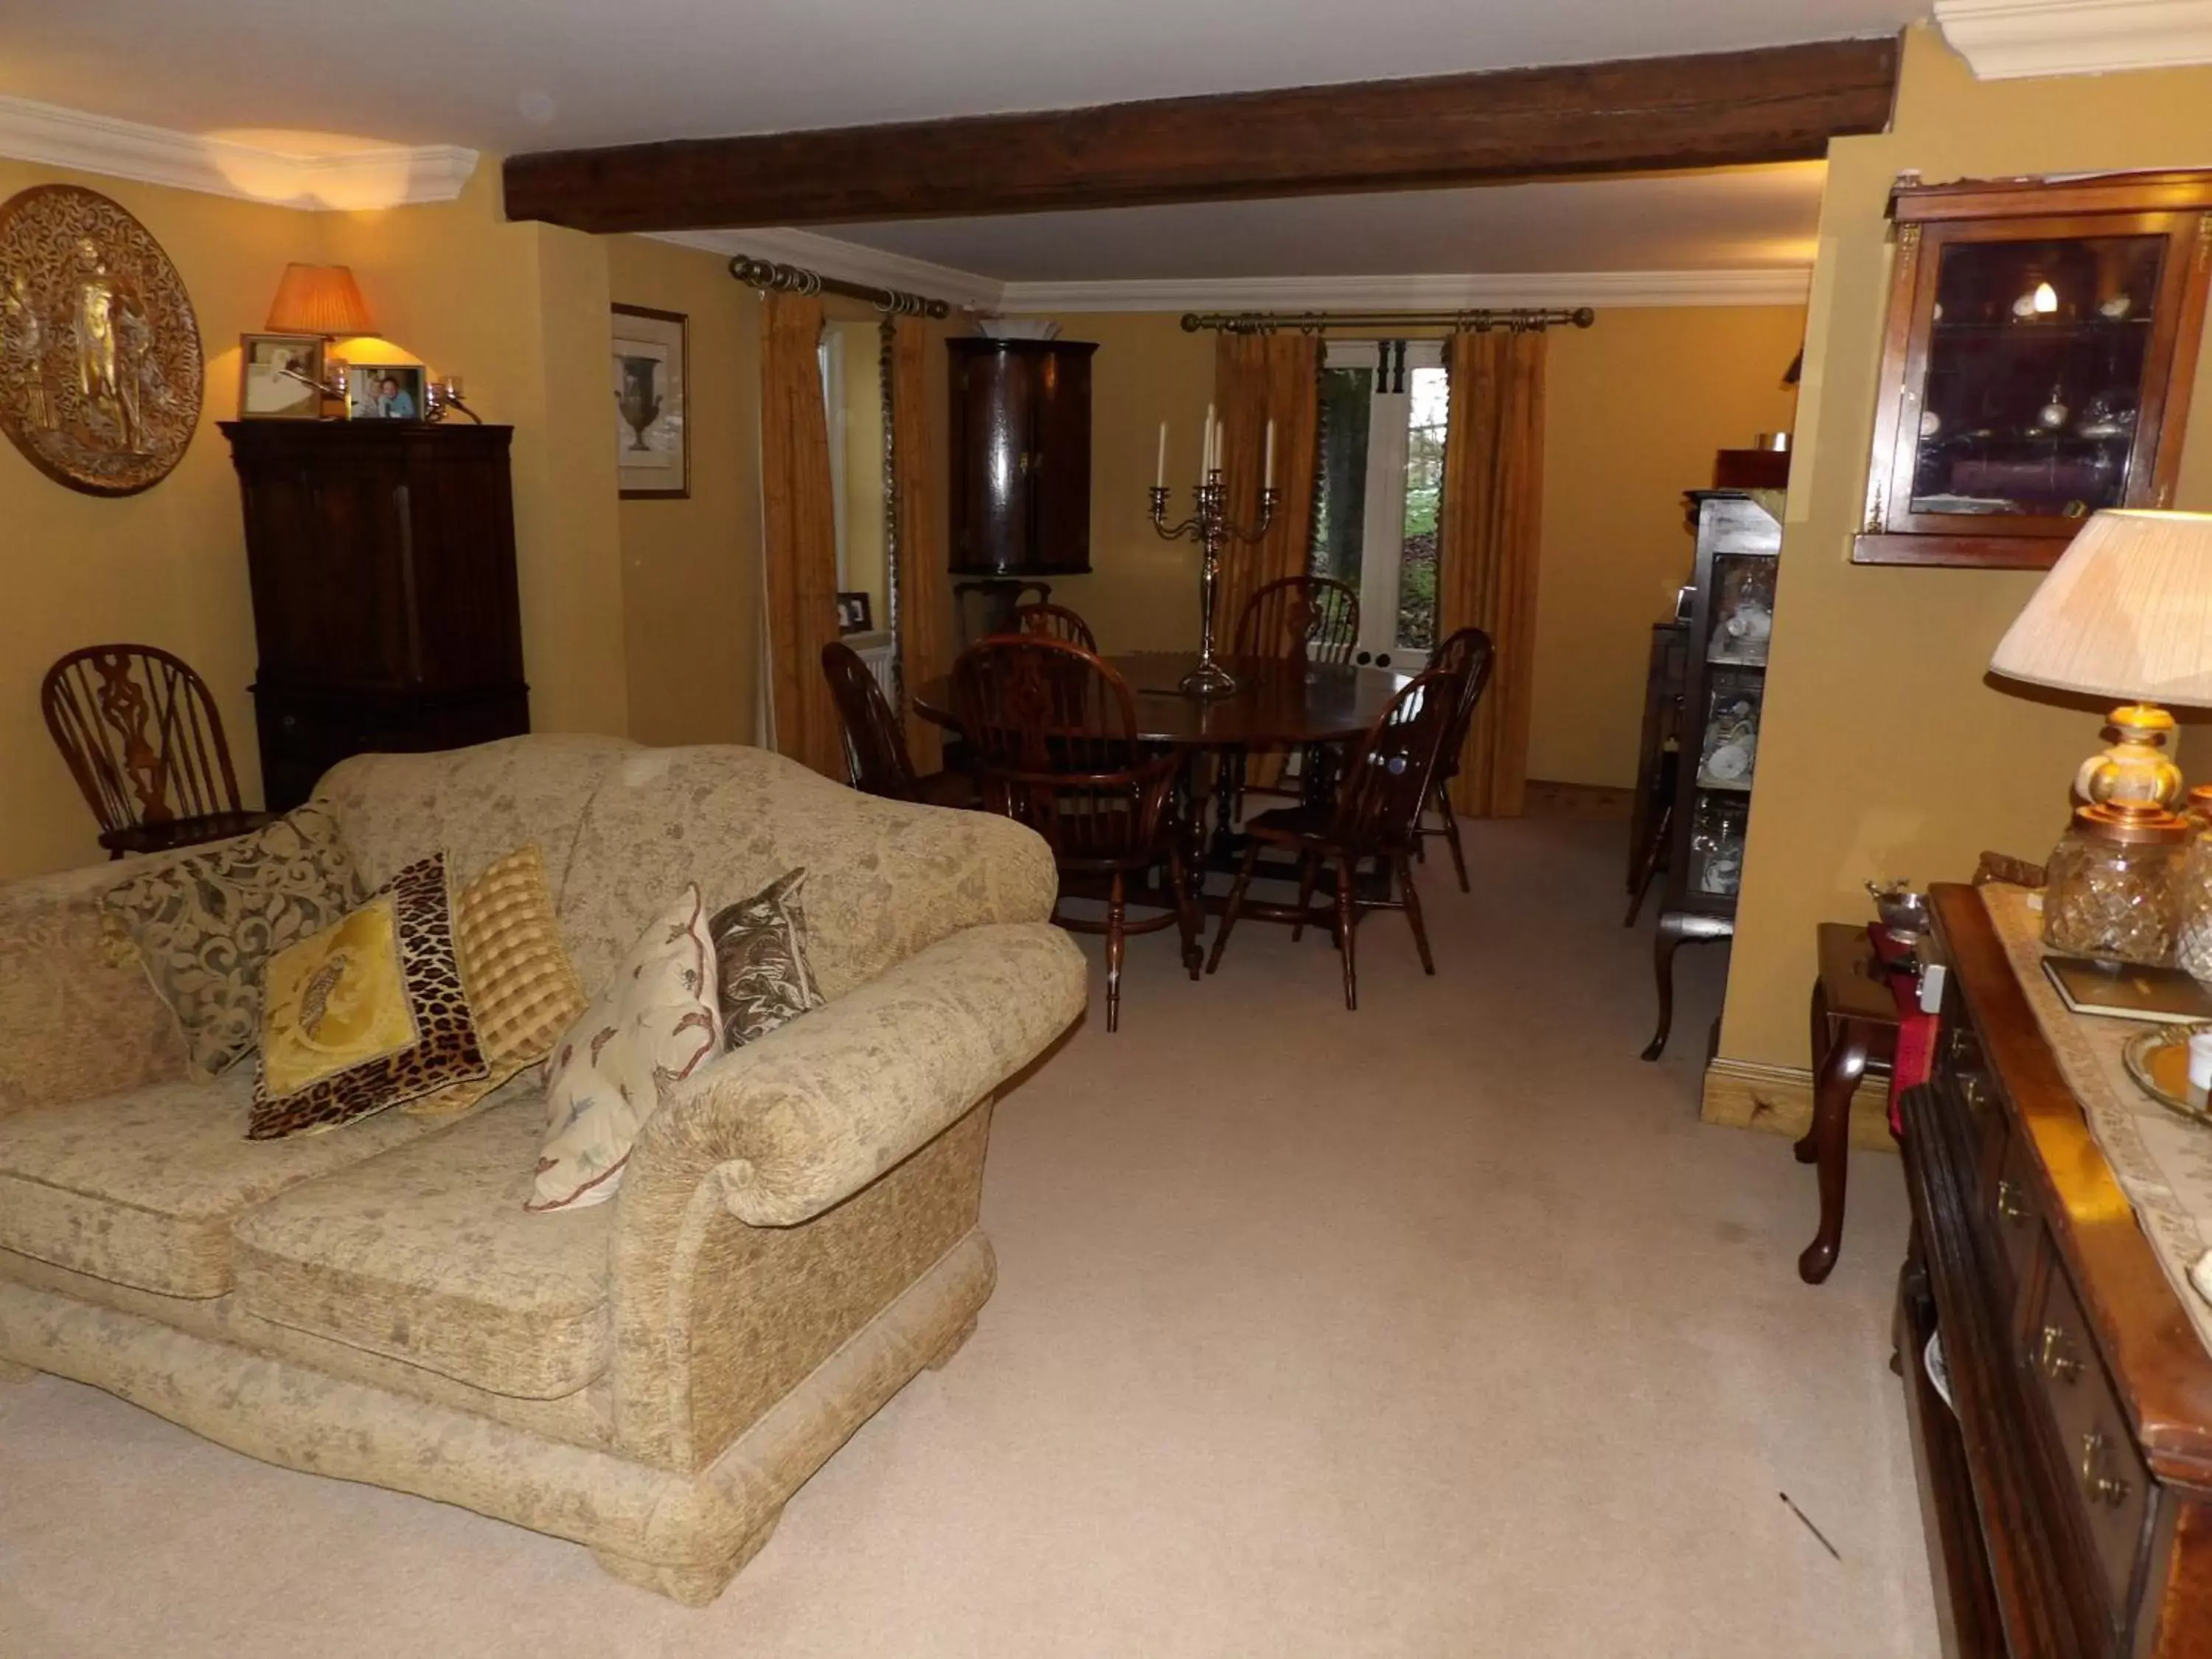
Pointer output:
1383, 411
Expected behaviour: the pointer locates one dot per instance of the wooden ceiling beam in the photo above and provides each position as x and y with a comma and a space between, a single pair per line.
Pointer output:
1636, 115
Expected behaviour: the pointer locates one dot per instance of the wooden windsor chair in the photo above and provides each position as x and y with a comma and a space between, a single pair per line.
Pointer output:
1053, 731
1470, 654
876, 758
1312, 619
1054, 622
142, 737
1376, 815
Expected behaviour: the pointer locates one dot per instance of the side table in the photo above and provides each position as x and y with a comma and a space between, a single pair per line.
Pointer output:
1854, 1025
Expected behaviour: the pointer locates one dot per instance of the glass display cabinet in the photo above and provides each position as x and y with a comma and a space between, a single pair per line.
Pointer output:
1723, 696
2041, 342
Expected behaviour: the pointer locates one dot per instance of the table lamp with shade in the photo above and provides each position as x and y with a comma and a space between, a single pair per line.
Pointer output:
2126, 613
322, 300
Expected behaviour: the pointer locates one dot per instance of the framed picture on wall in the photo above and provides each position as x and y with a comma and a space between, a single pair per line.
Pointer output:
280, 377
652, 375
853, 614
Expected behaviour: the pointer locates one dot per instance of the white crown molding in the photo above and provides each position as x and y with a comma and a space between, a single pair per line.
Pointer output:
2004, 39
849, 262
1784, 287
384, 176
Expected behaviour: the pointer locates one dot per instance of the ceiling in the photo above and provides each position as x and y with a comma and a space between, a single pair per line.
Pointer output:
513, 75
1740, 219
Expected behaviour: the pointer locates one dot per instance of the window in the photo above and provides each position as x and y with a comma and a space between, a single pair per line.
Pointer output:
1383, 415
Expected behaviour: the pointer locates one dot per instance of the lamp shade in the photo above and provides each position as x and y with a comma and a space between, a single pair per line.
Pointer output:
319, 299
2125, 614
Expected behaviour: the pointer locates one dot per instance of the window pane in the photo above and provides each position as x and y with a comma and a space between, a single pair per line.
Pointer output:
1428, 399
1341, 512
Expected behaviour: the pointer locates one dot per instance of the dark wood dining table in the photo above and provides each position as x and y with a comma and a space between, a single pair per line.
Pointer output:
1281, 704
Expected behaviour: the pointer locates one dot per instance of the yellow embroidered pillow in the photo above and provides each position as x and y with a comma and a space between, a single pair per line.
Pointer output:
335, 999
366, 1014
522, 989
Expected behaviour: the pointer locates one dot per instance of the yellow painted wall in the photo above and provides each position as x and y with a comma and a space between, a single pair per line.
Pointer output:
165, 567
1635, 408
1885, 752
519, 309
1142, 593
691, 572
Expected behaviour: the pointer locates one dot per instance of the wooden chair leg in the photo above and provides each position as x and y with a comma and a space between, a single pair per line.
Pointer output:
1412, 902
1187, 921
1346, 929
1116, 913
1451, 836
1236, 903
1309, 874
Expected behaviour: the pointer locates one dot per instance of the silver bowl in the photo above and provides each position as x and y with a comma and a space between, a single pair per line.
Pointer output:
1901, 909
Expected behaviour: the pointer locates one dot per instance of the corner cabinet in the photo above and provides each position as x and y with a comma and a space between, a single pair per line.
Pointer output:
382, 557
1021, 456
2037, 364
1723, 703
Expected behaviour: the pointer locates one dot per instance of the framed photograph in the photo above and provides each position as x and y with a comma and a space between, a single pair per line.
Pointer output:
853, 614
384, 391
280, 377
651, 373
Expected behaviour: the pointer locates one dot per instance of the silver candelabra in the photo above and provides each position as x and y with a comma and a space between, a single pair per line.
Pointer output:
1209, 526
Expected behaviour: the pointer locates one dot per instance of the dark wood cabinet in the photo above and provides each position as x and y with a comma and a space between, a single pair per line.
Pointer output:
381, 555
2067, 1481
2037, 362
1021, 456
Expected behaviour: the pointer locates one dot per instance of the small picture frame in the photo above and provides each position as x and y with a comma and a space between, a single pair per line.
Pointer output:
385, 392
652, 373
280, 377
854, 614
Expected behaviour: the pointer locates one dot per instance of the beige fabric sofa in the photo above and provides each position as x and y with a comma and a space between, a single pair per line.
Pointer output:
795, 1237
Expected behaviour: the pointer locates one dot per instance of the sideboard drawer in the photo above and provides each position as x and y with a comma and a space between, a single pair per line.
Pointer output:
2106, 1476
2014, 1219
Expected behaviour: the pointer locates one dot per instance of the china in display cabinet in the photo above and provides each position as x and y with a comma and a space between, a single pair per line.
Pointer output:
2041, 342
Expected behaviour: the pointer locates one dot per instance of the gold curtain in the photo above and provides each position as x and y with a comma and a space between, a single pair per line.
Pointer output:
1258, 378
799, 516
1487, 552
925, 585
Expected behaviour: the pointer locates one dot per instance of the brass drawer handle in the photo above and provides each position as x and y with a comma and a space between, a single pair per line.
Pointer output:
2102, 1488
2052, 1359
2010, 1205
1971, 1090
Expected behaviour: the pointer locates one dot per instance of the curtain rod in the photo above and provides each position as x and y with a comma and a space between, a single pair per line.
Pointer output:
1520, 321
797, 279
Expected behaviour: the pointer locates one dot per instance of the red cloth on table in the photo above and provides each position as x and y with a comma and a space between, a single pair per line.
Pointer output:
1916, 1031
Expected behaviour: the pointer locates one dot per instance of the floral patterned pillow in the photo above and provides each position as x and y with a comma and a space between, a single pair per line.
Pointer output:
651, 1026
206, 925
761, 972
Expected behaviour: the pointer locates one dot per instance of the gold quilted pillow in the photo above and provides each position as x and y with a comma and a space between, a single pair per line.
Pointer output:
366, 1014
521, 986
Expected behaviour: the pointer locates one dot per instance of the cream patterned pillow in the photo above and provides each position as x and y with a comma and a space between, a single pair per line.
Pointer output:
206, 925
651, 1026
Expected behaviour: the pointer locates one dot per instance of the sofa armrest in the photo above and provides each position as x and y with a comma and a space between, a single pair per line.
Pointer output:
78, 1017
811, 1113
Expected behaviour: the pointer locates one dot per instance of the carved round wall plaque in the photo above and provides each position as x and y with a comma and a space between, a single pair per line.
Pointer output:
100, 370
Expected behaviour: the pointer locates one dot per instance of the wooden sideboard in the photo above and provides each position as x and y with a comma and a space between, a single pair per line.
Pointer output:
2068, 1497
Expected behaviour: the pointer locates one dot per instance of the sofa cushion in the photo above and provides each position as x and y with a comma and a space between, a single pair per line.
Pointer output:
427, 1255
205, 926
140, 1189
369, 1013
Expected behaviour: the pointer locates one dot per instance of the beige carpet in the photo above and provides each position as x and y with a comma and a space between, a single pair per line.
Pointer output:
1441, 1329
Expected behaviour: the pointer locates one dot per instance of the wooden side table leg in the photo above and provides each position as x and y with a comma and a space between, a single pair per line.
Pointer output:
1807, 1145
1663, 947
1841, 1068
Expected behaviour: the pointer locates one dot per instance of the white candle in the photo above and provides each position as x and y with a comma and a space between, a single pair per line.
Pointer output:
1160, 471
1267, 481
1206, 446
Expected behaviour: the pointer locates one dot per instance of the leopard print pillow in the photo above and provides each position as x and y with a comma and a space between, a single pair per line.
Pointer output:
368, 1014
